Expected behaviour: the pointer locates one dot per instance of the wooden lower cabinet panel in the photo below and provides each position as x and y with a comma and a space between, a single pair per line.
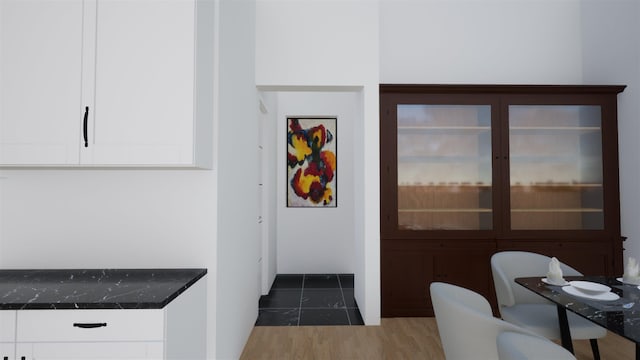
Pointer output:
590, 258
410, 266
407, 274
469, 269
405, 289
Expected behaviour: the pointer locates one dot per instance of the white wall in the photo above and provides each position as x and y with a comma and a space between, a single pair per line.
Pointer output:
320, 45
313, 240
107, 218
367, 209
611, 54
238, 237
269, 247
316, 42
480, 41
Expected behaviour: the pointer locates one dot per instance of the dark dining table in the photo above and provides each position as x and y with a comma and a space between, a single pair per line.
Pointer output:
621, 316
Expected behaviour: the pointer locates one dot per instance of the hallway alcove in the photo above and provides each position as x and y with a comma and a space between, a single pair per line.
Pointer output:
309, 240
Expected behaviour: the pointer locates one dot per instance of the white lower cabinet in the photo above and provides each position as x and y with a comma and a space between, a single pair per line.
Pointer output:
90, 350
7, 334
178, 331
7, 351
90, 334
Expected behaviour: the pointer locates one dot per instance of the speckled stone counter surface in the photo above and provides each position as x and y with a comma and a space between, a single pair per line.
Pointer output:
94, 289
621, 316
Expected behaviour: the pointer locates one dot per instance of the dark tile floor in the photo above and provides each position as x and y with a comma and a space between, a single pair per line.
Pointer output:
310, 299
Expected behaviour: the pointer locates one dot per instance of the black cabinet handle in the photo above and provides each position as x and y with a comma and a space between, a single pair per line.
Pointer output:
84, 126
89, 325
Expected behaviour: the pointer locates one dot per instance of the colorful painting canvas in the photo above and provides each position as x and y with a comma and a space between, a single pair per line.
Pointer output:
311, 162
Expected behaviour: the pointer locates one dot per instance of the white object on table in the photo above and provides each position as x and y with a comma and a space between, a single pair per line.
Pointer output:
590, 288
554, 276
608, 296
631, 272
547, 281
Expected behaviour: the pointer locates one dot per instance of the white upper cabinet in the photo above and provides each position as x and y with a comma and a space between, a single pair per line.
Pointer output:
144, 83
139, 71
40, 81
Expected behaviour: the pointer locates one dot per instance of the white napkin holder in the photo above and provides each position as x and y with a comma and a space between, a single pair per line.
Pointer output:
631, 272
554, 275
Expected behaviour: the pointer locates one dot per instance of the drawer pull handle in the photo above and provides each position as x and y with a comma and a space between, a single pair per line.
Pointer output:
84, 126
89, 325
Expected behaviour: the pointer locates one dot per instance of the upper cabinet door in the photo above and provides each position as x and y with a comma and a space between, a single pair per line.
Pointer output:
144, 84
556, 167
40, 82
444, 167
439, 172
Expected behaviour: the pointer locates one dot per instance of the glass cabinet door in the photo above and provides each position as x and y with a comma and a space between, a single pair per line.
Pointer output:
444, 168
555, 167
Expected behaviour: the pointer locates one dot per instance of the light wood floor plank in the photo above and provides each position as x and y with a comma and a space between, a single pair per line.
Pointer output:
396, 338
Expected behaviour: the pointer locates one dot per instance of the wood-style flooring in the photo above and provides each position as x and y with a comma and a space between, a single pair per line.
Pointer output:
395, 338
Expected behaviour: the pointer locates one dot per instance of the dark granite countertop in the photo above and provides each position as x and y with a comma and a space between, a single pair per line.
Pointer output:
94, 288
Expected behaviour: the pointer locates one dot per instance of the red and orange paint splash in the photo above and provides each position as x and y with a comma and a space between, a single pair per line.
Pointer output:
311, 161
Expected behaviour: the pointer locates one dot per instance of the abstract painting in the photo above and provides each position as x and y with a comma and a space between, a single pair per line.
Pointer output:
311, 162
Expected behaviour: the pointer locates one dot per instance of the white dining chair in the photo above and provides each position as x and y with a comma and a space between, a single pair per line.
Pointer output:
519, 346
467, 327
531, 311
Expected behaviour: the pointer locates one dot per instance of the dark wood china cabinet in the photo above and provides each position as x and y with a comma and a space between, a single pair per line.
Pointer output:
469, 170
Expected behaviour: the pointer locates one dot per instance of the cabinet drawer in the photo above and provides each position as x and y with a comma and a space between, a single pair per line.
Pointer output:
91, 350
90, 325
7, 325
7, 351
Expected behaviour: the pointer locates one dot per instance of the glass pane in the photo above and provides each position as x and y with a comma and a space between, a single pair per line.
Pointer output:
556, 167
444, 167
